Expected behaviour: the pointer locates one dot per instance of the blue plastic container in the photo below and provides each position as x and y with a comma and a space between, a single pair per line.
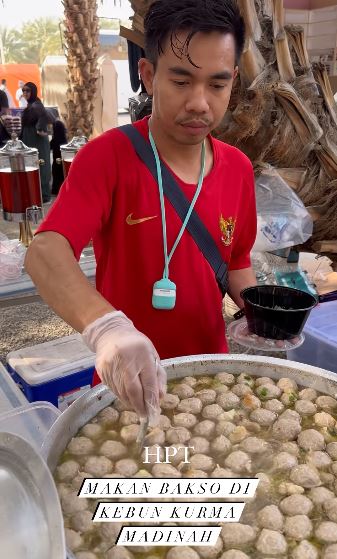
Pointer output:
56, 372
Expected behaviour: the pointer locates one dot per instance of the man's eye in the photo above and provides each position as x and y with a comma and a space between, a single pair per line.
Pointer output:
179, 82
218, 86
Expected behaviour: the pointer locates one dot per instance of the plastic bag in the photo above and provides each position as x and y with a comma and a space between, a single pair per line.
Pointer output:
282, 219
12, 255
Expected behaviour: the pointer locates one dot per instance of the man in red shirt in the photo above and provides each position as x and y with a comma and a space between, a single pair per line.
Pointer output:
192, 51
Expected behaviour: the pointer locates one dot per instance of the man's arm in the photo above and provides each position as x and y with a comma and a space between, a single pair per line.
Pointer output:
60, 281
239, 280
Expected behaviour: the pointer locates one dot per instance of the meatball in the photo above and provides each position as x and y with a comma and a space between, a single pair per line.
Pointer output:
190, 405
330, 552
169, 402
195, 473
225, 378
326, 532
85, 555
224, 427
286, 488
191, 381
319, 495
228, 401
211, 411
238, 434
221, 445
310, 439
183, 391
271, 542
109, 532
237, 535
92, 430
129, 433
238, 461
71, 503
307, 394
78, 480
80, 446
295, 505
263, 417
67, 471
305, 407
128, 418
318, 459
287, 384
164, 422
98, 466
73, 539
241, 390
274, 405
263, 380
222, 473
305, 475
108, 417
254, 445
206, 396
187, 420
305, 550
298, 527
156, 436
165, 470
202, 462
126, 467
204, 428
182, 552
113, 449
284, 461
286, 429
177, 435
330, 508
82, 521
250, 401
324, 419
270, 517
268, 391
326, 403
200, 444
332, 450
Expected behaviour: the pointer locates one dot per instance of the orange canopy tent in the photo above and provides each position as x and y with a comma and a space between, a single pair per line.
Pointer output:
12, 73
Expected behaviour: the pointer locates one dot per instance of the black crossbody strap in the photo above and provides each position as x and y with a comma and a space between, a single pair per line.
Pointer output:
175, 195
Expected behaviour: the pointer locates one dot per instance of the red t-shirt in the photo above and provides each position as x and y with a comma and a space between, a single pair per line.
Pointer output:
109, 189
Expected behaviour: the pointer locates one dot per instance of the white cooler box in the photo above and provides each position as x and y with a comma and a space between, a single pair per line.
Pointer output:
57, 371
320, 345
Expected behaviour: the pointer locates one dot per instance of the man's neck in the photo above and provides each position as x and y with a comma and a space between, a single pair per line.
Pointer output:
184, 160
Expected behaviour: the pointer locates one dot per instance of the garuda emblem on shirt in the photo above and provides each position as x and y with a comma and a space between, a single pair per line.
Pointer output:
227, 227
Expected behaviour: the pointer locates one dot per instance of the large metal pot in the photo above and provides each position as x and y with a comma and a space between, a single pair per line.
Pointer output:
93, 401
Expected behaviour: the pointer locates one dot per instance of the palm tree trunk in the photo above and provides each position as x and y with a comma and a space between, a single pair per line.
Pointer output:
81, 49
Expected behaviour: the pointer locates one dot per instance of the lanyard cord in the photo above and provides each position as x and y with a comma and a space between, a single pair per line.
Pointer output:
167, 257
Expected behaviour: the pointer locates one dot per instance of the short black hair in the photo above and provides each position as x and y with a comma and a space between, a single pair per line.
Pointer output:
165, 18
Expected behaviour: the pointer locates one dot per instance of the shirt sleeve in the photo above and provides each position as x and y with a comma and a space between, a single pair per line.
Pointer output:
245, 230
83, 204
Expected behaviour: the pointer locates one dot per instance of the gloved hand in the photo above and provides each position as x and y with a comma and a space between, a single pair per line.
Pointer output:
128, 363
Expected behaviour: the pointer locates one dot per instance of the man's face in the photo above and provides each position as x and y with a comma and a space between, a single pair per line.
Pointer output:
189, 102
26, 92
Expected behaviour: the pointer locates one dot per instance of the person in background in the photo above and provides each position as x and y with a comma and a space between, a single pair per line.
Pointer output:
4, 88
4, 136
35, 134
20, 97
59, 138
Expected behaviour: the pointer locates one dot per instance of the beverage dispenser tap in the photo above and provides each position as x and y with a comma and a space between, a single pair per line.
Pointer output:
20, 188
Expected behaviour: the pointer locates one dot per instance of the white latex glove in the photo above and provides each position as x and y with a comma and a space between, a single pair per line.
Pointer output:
127, 362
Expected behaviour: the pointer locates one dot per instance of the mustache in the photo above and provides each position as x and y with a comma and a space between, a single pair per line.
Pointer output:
199, 121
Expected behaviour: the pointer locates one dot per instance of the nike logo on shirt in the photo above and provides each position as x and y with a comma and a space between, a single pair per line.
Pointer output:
130, 221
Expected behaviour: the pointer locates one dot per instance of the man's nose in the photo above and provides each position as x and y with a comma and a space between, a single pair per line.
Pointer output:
197, 102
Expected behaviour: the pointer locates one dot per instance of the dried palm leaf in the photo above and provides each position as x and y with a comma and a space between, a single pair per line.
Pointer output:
252, 23
322, 78
296, 37
252, 63
293, 176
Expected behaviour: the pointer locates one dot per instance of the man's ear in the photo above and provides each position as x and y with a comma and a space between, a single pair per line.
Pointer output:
146, 70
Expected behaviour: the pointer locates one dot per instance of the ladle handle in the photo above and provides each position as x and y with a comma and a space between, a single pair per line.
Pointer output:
239, 314
327, 297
